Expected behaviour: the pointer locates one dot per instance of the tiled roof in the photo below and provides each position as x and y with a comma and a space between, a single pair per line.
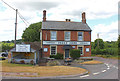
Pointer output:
63, 25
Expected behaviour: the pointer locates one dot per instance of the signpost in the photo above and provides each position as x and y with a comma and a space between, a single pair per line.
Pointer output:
22, 48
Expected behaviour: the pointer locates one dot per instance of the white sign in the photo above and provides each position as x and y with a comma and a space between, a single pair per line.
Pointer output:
65, 43
87, 49
22, 48
45, 49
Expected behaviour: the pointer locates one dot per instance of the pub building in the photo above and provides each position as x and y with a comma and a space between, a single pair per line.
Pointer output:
62, 36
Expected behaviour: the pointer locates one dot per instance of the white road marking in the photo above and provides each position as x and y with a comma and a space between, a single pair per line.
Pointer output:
96, 73
108, 68
84, 76
104, 71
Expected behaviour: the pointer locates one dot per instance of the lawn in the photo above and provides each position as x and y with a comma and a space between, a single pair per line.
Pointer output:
108, 56
92, 62
41, 70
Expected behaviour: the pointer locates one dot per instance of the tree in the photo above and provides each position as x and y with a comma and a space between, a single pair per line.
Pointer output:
32, 33
75, 53
99, 44
118, 45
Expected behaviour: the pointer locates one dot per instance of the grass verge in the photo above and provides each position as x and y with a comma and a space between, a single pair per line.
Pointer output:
92, 62
41, 70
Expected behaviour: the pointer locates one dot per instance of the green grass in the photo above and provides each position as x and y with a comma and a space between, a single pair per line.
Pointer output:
107, 56
5, 63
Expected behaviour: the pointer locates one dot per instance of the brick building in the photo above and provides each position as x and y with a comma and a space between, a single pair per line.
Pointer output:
62, 36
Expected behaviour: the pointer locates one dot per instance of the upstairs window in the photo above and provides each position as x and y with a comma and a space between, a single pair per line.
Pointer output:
53, 35
67, 35
80, 36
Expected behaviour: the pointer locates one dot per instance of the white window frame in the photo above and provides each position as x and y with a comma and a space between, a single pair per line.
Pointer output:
78, 36
55, 50
82, 49
51, 35
69, 36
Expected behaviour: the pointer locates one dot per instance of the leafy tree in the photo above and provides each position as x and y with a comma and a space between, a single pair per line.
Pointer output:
118, 45
100, 42
32, 33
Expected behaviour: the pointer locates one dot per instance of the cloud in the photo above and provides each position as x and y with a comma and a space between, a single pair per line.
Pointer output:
106, 32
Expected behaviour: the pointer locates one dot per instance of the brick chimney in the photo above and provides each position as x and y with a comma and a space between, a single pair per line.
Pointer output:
67, 20
83, 18
44, 15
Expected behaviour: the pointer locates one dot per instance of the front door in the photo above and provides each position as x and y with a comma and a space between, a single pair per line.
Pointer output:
66, 53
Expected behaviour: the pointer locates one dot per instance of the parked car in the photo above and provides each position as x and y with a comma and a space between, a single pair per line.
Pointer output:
4, 54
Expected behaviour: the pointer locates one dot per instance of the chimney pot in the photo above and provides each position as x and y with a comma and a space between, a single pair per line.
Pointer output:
44, 15
67, 20
83, 17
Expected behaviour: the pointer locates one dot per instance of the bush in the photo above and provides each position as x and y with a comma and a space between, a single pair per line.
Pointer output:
53, 63
22, 62
57, 56
75, 53
32, 62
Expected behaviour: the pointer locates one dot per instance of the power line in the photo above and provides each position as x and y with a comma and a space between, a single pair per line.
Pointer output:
22, 18
8, 5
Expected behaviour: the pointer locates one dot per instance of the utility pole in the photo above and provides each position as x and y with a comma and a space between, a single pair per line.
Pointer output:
15, 28
98, 40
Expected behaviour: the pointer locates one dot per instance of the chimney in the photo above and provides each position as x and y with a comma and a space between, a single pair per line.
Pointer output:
67, 20
83, 18
44, 15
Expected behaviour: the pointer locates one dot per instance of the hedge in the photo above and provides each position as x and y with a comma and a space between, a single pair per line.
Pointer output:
75, 53
57, 56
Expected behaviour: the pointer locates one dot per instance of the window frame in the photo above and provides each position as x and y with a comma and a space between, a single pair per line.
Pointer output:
51, 35
82, 50
69, 36
55, 49
82, 36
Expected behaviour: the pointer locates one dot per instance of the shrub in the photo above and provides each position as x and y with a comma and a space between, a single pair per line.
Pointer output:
57, 56
22, 62
75, 53
32, 62
53, 63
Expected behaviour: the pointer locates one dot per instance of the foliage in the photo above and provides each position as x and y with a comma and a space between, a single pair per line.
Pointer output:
98, 42
75, 53
119, 45
57, 56
53, 63
32, 33
7, 46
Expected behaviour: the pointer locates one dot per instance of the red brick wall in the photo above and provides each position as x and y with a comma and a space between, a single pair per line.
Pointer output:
86, 54
60, 35
74, 36
87, 36
44, 32
47, 54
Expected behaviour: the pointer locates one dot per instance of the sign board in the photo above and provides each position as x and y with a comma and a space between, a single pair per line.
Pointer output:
22, 48
45, 49
66, 43
87, 49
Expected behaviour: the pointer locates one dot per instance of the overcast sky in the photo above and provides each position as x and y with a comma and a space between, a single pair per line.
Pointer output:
101, 15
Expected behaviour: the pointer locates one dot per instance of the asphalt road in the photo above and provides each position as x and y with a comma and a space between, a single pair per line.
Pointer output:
108, 70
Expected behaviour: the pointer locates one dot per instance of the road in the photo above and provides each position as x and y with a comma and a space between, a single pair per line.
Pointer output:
108, 70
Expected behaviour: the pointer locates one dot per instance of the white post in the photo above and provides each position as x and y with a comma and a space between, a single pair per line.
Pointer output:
35, 57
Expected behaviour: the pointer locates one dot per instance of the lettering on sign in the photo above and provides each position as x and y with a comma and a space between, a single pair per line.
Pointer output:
66, 43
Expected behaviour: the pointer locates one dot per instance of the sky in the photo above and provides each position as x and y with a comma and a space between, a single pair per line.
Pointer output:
101, 15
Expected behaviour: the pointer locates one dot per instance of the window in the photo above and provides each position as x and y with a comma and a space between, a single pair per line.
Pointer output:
67, 35
53, 35
81, 50
80, 36
53, 50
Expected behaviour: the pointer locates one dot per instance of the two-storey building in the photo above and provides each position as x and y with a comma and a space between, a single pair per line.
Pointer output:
62, 36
